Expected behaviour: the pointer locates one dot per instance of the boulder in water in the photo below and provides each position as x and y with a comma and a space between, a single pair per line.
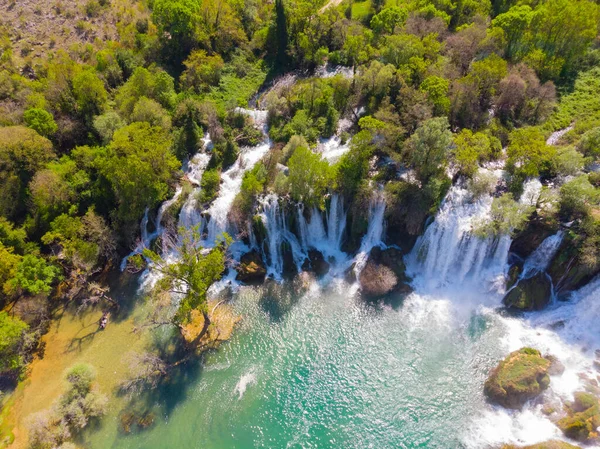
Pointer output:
518, 378
251, 269
583, 418
316, 263
377, 280
554, 444
530, 294
384, 273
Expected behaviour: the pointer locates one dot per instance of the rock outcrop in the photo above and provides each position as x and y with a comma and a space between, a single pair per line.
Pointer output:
384, 273
530, 294
316, 263
518, 378
251, 269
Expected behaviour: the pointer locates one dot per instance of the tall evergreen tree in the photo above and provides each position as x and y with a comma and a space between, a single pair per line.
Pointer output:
282, 33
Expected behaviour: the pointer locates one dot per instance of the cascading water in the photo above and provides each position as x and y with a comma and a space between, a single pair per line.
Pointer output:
332, 149
328, 241
273, 217
190, 214
450, 252
539, 260
231, 181
374, 234
147, 238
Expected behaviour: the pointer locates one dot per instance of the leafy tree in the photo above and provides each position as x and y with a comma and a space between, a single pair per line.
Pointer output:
437, 92
522, 99
589, 144
281, 32
506, 216
191, 276
151, 112
309, 177
471, 148
353, 167
528, 154
155, 84
16, 238
40, 121
577, 197
8, 269
33, 276
188, 117
140, 166
428, 148
90, 94
201, 71
73, 411
83, 241
12, 330
389, 19
515, 24
562, 30
22, 153
106, 125
177, 21
209, 185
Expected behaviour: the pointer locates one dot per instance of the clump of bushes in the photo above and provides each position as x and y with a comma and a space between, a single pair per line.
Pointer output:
80, 404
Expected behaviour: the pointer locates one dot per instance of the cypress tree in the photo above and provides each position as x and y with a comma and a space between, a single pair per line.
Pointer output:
282, 33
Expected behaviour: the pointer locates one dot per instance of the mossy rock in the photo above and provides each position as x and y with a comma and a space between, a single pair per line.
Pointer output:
530, 294
518, 378
546, 445
583, 418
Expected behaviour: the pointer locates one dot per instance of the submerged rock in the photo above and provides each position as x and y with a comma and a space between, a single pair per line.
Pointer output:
521, 376
530, 294
555, 444
583, 418
251, 269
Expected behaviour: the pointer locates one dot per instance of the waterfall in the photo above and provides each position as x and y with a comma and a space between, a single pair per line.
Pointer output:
274, 219
539, 260
314, 235
190, 216
449, 251
231, 181
147, 238
374, 234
